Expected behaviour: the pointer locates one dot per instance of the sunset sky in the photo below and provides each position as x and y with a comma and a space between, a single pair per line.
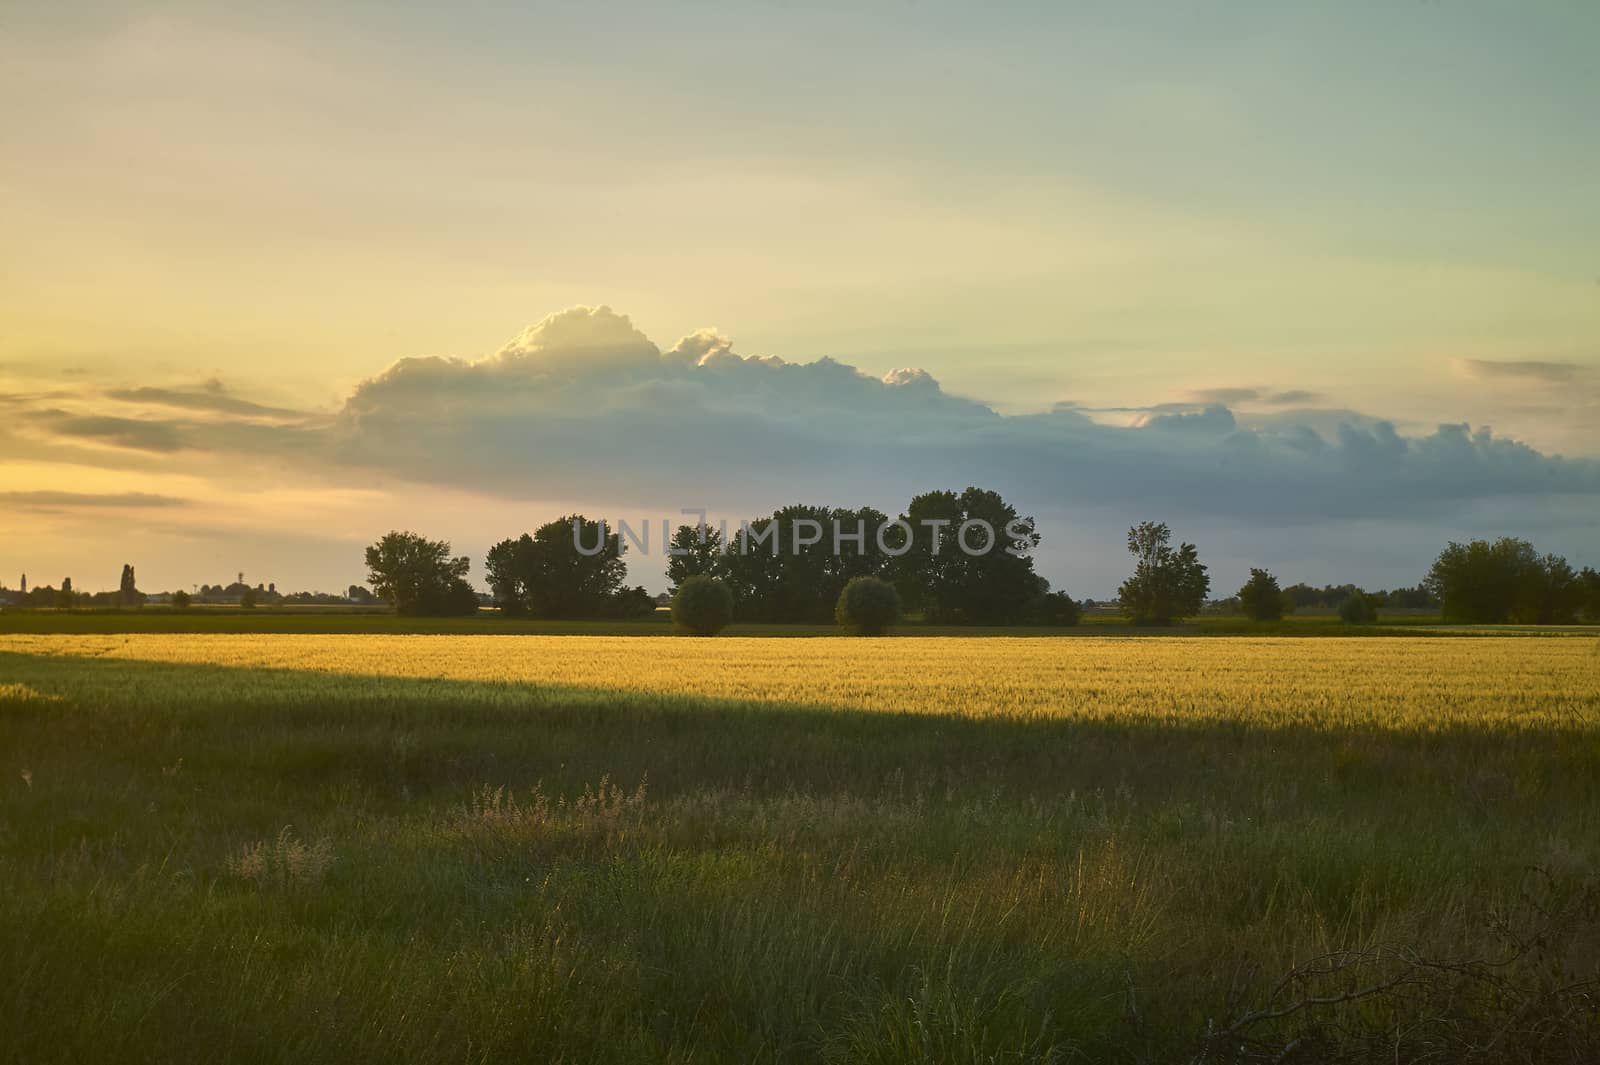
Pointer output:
1317, 284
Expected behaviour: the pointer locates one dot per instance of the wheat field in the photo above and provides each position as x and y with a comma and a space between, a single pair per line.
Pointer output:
1415, 683
576, 849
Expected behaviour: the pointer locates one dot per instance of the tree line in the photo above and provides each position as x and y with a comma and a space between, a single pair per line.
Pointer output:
1506, 581
866, 570
974, 567
800, 564
948, 578
574, 567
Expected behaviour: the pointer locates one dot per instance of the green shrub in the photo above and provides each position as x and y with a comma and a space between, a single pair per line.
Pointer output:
867, 606
703, 606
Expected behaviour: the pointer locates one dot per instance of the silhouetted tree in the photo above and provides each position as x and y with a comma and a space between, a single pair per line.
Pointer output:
1167, 585
788, 567
1260, 597
1507, 580
65, 597
546, 573
991, 582
752, 571
180, 599
128, 593
867, 606
1589, 581
1556, 593
418, 576
248, 598
507, 567
699, 550
702, 606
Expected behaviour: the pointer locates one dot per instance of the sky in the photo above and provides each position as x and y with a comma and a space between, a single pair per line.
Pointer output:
1317, 284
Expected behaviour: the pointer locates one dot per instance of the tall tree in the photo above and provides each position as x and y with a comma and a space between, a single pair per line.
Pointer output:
1261, 597
506, 566
694, 550
419, 576
970, 559
793, 565
1167, 585
751, 570
784, 568
1504, 581
1589, 581
128, 593
568, 568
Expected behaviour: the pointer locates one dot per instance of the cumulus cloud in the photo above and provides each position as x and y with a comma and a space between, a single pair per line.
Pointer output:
1215, 420
582, 405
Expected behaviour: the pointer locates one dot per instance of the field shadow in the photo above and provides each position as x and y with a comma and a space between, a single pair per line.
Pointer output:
422, 734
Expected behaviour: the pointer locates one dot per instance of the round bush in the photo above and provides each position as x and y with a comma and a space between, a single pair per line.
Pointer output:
868, 606
703, 606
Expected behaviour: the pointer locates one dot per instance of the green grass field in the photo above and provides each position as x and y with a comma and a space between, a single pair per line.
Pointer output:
553, 849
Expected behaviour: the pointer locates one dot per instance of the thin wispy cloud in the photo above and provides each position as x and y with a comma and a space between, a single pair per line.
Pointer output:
213, 399
1255, 397
1524, 370
135, 434
47, 500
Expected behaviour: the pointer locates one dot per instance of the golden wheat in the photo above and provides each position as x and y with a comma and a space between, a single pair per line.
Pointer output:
1414, 683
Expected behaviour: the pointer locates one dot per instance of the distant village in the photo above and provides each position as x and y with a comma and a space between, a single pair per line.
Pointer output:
238, 593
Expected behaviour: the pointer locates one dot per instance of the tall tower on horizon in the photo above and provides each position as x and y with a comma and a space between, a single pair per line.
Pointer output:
24, 584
